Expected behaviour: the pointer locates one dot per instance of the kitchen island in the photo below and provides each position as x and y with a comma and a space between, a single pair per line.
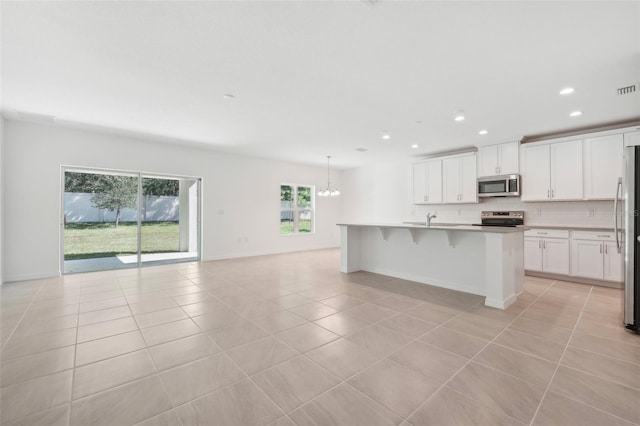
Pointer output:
482, 260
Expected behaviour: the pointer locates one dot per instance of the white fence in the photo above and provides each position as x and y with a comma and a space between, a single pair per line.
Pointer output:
78, 208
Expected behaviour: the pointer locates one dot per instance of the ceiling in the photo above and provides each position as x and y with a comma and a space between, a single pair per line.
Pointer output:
317, 78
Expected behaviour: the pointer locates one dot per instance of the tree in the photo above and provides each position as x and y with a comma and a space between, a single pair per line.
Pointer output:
91, 182
82, 182
154, 186
115, 193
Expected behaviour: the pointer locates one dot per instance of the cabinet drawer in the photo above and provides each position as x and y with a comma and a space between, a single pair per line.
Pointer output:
596, 236
547, 233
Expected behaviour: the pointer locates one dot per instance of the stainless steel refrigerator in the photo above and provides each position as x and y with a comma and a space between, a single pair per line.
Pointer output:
627, 228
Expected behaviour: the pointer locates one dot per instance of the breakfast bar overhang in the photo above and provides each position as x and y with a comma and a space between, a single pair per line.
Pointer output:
482, 260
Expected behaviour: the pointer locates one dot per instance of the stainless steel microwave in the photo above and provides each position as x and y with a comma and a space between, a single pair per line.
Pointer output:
499, 186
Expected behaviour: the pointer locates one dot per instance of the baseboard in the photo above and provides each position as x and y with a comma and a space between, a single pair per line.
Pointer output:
264, 253
43, 275
30, 277
424, 280
581, 280
500, 304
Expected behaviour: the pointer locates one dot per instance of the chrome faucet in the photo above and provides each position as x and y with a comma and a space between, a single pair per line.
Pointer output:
429, 217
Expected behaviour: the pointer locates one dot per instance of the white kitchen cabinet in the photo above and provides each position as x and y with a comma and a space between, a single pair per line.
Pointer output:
427, 182
613, 263
603, 158
532, 254
552, 171
566, 170
547, 251
459, 179
501, 159
586, 259
555, 256
594, 255
536, 173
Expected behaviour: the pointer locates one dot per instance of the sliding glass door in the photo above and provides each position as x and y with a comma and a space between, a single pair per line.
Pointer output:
114, 220
169, 229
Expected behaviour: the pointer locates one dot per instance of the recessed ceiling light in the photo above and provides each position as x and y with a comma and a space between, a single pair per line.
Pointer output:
414, 146
483, 132
386, 136
418, 121
459, 117
567, 91
575, 113
228, 96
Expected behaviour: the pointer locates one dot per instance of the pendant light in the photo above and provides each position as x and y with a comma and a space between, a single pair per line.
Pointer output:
328, 191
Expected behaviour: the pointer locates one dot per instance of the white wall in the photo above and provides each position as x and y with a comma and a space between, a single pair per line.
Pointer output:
241, 197
383, 193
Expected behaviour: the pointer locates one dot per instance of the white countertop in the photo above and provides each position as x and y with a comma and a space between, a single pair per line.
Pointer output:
443, 227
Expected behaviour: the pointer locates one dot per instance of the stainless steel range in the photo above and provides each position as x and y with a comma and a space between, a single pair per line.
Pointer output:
502, 218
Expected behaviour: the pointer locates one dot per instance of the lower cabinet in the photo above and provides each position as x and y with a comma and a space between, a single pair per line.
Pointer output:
546, 253
585, 254
613, 263
595, 255
586, 259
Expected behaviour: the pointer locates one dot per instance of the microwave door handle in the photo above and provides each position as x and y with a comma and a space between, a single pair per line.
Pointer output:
615, 215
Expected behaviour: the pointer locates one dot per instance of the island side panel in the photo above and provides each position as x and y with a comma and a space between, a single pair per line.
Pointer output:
505, 268
350, 253
449, 259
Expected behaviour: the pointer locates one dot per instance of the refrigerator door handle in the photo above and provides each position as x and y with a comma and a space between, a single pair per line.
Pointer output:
615, 214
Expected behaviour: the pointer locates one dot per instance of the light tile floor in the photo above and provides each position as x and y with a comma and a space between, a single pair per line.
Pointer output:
288, 339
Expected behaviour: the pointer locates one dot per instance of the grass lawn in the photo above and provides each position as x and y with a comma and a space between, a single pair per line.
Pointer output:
91, 240
286, 227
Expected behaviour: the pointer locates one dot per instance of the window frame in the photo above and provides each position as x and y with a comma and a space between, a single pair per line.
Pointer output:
296, 210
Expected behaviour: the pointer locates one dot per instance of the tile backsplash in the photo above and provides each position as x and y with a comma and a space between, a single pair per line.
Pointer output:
596, 214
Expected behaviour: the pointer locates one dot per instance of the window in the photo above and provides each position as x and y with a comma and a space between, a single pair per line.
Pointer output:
296, 209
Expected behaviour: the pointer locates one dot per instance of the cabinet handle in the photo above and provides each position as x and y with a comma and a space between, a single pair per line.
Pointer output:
544, 244
542, 233
548, 194
606, 250
539, 244
497, 170
552, 193
604, 236
600, 248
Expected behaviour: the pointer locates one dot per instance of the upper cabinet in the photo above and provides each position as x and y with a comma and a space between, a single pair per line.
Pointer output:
427, 182
445, 180
501, 159
602, 166
459, 179
552, 171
